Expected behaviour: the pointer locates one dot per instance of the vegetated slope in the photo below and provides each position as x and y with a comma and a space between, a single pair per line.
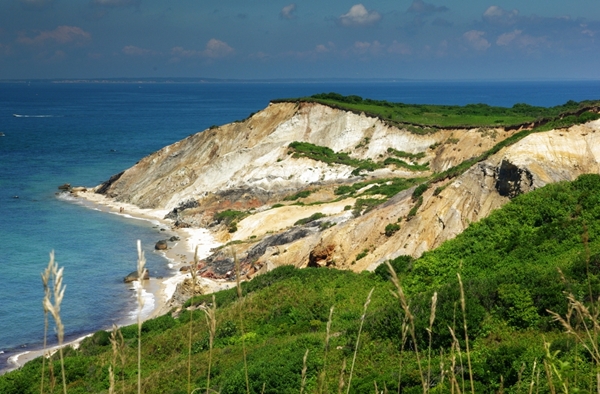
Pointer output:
423, 118
509, 264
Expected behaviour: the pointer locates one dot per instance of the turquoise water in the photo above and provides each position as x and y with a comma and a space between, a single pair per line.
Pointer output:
84, 133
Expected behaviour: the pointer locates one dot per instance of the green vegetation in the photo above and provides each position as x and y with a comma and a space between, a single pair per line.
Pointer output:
362, 254
539, 253
419, 190
406, 155
391, 229
387, 187
311, 218
301, 194
422, 118
401, 163
230, 218
413, 211
326, 155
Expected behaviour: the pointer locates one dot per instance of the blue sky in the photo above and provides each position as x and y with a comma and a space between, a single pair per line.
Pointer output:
249, 39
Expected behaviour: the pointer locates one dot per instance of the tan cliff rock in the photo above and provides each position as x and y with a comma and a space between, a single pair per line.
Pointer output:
251, 156
246, 166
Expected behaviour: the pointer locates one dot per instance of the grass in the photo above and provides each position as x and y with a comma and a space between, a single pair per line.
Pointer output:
326, 155
423, 119
502, 282
279, 332
311, 218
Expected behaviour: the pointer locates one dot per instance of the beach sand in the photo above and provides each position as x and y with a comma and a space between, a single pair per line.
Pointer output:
159, 291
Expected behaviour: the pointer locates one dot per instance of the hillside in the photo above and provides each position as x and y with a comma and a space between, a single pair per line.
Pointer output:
304, 183
508, 264
507, 198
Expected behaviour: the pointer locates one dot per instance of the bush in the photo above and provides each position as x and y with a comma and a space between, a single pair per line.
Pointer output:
419, 190
302, 194
391, 229
311, 218
159, 324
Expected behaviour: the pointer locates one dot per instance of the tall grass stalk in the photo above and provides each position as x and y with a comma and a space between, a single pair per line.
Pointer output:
341, 382
454, 350
323, 374
211, 321
45, 281
304, 368
411, 319
362, 321
430, 332
464, 312
194, 274
241, 309
58, 292
532, 377
141, 272
118, 352
402, 344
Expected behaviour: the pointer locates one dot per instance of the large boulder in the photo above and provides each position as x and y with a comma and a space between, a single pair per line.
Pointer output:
161, 245
134, 276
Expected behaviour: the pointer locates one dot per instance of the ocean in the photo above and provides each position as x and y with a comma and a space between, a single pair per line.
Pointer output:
82, 133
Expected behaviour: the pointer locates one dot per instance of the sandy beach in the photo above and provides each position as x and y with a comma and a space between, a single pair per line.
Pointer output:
156, 291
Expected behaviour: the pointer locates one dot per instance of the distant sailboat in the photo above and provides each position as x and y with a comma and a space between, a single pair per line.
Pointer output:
2, 134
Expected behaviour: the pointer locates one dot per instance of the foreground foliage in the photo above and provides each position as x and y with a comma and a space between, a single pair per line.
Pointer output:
516, 266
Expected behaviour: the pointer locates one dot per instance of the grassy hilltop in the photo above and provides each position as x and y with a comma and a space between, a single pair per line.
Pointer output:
479, 314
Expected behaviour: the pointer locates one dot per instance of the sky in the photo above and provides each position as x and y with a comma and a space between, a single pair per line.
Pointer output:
272, 39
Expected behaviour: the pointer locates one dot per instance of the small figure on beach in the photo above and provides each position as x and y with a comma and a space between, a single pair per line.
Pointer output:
121, 210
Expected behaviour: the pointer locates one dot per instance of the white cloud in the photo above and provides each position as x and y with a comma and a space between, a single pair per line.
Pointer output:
498, 15
288, 12
359, 16
214, 49
322, 48
421, 7
364, 47
476, 40
506, 38
132, 50
60, 35
399, 48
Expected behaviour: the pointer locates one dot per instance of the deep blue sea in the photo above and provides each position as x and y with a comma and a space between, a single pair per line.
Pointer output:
84, 133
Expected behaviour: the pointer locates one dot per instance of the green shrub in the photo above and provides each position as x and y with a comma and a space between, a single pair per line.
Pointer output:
391, 229
362, 254
229, 215
413, 211
419, 190
159, 324
311, 218
301, 194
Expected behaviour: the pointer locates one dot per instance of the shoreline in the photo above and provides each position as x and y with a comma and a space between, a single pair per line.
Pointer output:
179, 254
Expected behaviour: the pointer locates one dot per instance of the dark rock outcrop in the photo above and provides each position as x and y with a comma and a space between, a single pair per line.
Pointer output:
174, 214
161, 245
105, 186
512, 180
278, 239
134, 276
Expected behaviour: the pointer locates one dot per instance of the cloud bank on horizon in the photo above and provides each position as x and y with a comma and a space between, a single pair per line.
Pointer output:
248, 39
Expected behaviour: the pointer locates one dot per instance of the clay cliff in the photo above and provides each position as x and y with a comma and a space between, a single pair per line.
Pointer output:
249, 168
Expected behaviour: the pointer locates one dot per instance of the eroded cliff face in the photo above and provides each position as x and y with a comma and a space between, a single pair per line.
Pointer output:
539, 159
247, 166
